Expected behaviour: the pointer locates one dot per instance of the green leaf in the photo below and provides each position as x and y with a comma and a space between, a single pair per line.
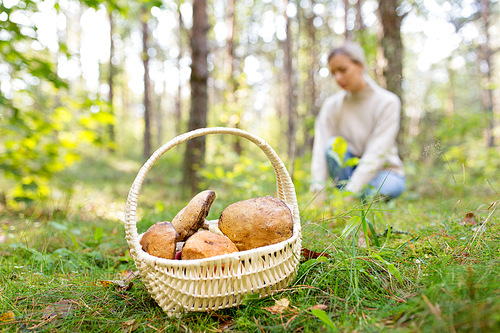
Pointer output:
58, 226
351, 225
322, 259
335, 156
250, 298
159, 207
98, 234
75, 242
373, 233
340, 147
321, 315
394, 271
353, 161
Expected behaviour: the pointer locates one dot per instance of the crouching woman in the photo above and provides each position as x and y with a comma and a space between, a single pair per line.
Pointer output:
367, 117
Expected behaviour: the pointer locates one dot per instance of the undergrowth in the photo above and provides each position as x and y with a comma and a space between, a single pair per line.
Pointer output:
420, 263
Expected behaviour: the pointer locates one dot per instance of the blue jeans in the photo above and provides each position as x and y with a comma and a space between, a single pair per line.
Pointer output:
385, 183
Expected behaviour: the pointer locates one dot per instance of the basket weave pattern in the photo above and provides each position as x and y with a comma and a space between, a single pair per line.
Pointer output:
221, 281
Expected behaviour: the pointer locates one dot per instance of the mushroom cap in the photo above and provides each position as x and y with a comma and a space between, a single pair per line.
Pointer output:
191, 217
257, 222
206, 244
159, 240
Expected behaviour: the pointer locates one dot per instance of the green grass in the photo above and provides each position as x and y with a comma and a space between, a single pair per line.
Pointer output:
430, 274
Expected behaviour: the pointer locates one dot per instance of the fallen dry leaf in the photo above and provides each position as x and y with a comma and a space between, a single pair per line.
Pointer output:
283, 302
7, 316
226, 325
318, 307
309, 254
469, 219
61, 309
392, 319
279, 306
129, 275
118, 284
129, 325
123, 281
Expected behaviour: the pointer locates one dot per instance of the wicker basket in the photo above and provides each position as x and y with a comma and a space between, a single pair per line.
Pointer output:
222, 281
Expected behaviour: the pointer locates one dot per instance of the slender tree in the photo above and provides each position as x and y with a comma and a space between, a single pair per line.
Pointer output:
482, 19
291, 96
362, 34
359, 18
347, 31
111, 127
230, 69
392, 50
159, 117
147, 83
487, 56
194, 158
392, 45
450, 100
311, 90
178, 99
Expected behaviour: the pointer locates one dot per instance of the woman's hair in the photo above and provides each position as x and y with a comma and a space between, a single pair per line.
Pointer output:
352, 50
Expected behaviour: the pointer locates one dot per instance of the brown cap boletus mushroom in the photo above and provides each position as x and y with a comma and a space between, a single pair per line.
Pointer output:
205, 244
191, 217
160, 240
257, 222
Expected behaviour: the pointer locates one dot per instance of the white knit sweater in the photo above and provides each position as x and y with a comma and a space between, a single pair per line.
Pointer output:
369, 121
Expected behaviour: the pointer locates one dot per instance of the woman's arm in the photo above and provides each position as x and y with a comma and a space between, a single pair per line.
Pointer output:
380, 143
324, 128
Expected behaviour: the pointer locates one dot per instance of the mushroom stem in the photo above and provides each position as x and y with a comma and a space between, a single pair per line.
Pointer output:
206, 225
212, 226
179, 246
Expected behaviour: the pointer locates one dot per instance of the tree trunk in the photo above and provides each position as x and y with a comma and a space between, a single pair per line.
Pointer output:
111, 127
311, 89
487, 55
449, 106
392, 50
145, 59
359, 18
159, 119
392, 45
361, 34
347, 32
290, 93
230, 24
232, 81
178, 100
194, 158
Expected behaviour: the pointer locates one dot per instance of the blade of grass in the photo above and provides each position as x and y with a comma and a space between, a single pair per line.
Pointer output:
321, 315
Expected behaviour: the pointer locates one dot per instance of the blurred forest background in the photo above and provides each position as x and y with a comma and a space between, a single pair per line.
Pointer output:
90, 89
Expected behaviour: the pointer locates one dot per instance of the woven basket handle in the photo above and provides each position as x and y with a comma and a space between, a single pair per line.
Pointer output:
286, 189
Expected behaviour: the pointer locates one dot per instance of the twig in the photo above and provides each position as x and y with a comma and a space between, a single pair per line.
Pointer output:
289, 321
258, 325
393, 231
433, 309
150, 326
11, 322
481, 228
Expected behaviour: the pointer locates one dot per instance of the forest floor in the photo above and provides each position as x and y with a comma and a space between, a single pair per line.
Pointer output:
428, 262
